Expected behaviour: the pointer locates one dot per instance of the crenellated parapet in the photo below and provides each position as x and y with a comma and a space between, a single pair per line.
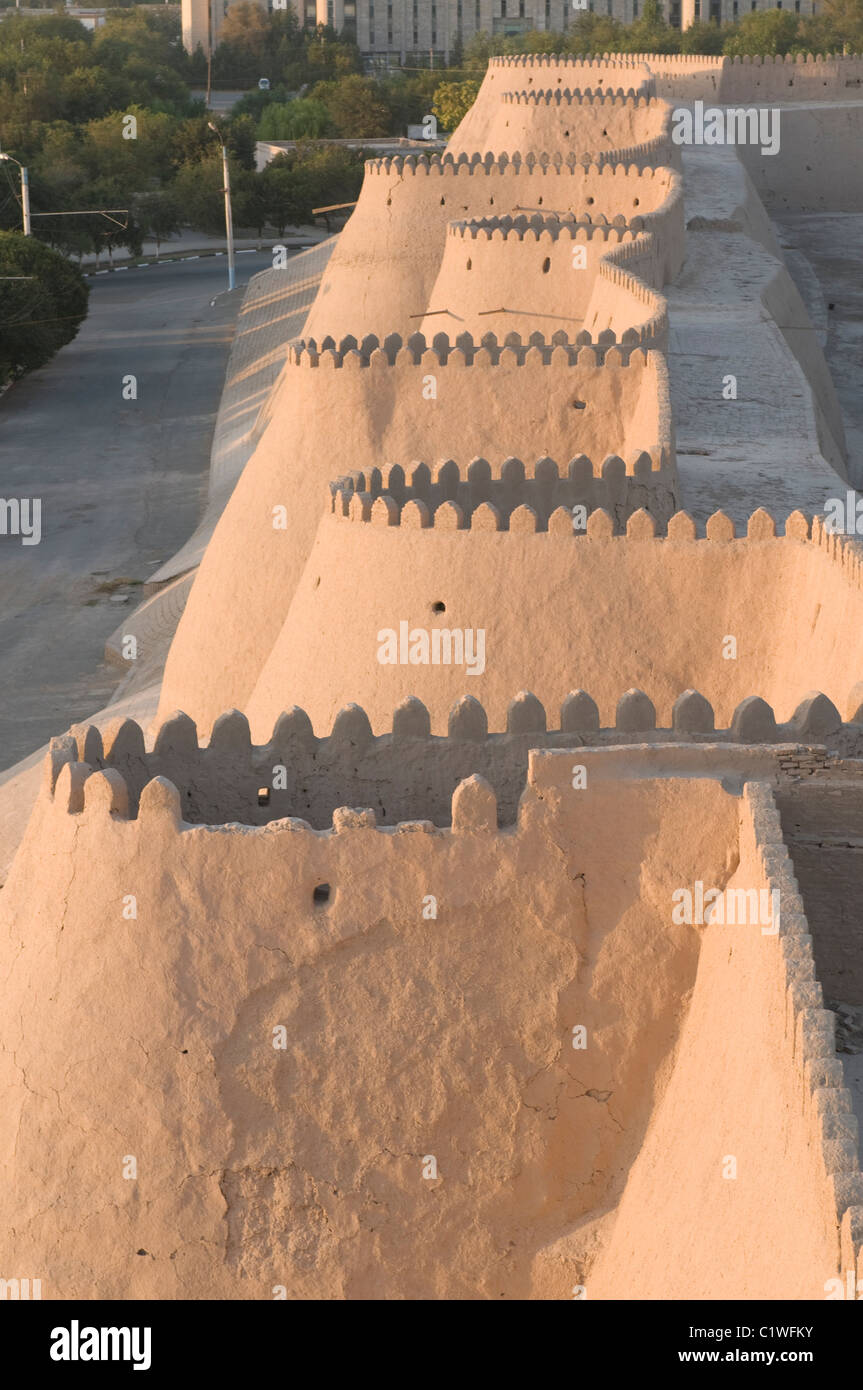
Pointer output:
810, 1029
537, 227
462, 350
607, 62
538, 498
407, 773
608, 98
566, 165
541, 498
784, 78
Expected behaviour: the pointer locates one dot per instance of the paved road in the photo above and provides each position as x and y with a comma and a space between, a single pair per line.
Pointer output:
121, 483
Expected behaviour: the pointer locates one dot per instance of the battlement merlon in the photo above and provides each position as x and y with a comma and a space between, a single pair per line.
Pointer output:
416, 769
535, 162
347, 500
584, 96
465, 351
810, 1029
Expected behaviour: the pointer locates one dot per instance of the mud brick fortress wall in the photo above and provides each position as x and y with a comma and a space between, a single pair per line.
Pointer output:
394, 864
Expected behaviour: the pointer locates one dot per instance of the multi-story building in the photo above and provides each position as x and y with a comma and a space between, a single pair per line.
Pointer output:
388, 30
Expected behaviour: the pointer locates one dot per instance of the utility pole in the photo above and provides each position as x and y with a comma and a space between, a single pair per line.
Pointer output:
229, 221
25, 200
25, 192
209, 51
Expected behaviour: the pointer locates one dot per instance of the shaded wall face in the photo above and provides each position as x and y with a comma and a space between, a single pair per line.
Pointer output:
501, 282
728, 1197
580, 128
818, 166
600, 616
376, 413
241, 1146
383, 270
474, 129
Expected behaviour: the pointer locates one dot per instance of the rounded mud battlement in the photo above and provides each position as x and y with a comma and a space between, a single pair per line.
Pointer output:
551, 226
593, 277
384, 270
403, 775
448, 499
463, 350
447, 165
607, 62
579, 96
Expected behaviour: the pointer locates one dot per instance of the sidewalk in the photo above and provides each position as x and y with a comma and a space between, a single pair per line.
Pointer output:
191, 243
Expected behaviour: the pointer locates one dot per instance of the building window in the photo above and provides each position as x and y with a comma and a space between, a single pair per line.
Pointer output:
796, 6
635, 9
609, 8
734, 8
521, 9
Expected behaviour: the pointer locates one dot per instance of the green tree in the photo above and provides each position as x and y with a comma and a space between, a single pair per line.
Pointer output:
246, 35
704, 37
158, 215
845, 18
452, 101
650, 33
594, 33
39, 314
355, 105
287, 197
198, 189
294, 119
135, 163
241, 137
763, 32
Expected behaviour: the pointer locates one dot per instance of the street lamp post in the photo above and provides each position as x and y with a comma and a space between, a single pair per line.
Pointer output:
229, 221
25, 192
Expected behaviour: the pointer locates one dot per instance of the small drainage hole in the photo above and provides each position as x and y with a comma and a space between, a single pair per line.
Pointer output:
439, 607
321, 894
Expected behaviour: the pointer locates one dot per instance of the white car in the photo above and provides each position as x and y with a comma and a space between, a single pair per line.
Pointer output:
264, 84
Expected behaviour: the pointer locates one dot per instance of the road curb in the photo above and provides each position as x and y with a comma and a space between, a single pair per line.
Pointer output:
200, 256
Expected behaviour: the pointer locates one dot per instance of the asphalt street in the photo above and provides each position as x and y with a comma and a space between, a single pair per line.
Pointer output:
121, 481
